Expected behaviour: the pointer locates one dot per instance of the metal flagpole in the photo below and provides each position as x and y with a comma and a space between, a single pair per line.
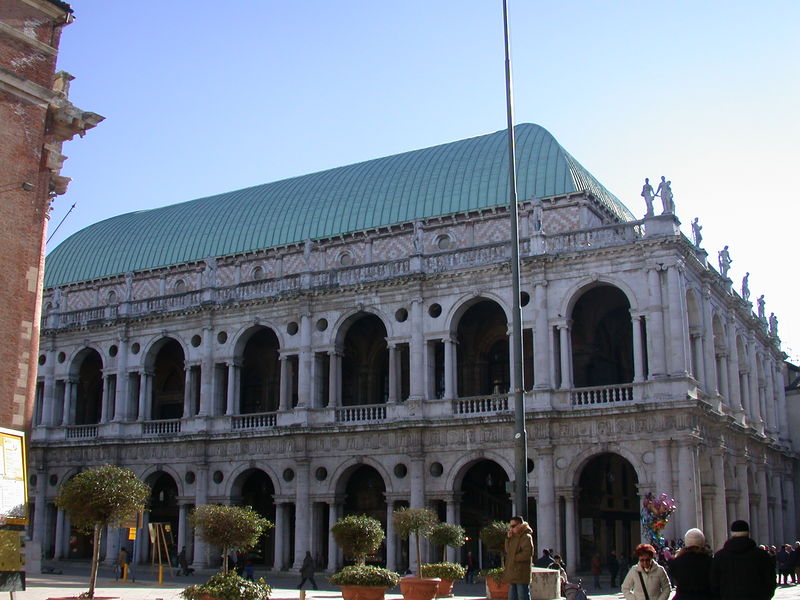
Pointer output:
520, 437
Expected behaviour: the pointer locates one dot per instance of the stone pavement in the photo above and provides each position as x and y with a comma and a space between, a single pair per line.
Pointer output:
75, 577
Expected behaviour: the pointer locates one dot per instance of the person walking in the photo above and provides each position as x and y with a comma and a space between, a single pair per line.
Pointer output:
646, 580
597, 568
741, 570
691, 567
471, 567
122, 560
613, 567
307, 571
783, 559
519, 559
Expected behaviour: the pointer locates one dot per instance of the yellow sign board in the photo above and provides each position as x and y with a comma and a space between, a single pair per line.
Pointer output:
131, 533
13, 470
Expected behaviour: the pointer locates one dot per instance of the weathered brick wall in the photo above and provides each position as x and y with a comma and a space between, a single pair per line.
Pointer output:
27, 62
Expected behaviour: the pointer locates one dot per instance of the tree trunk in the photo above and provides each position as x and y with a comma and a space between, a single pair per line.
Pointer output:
419, 555
95, 560
224, 559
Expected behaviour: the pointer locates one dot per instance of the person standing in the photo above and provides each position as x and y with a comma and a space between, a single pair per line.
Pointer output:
469, 564
613, 567
690, 568
646, 580
122, 560
783, 558
307, 571
741, 570
597, 568
519, 559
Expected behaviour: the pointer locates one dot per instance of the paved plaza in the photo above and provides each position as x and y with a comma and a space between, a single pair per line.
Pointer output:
74, 580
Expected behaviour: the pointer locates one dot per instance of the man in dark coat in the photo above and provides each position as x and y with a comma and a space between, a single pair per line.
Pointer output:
741, 571
613, 567
519, 559
690, 568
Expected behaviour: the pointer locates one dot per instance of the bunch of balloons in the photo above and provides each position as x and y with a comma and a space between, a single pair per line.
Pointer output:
655, 514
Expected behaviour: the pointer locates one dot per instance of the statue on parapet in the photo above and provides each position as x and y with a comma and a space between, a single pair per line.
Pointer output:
725, 261
773, 325
746, 287
762, 313
647, 194
696, 229
665, 192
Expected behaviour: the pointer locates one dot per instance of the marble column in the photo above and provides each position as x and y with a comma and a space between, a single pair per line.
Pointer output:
565, 355
145, 385
783, 419
391, 538
304, 365
546, 505
776, 508
302, 529
49, 409
69, 401
638, 354
106, 398
40, 518
333, 562
722, 377
719, 514
451, 518
121, 408
755, 403
762, 531
207, 371
771, 396
656, 353
698, 367
199, 558
734, 393
789, 517
678, 321
188, 385
335, 379
709, 360
232, 394
113, 538
449, 369
743, 509
284, 399
690, 514
416, 351
541, 338
416, 498
663, 478
182, 525
570, 520
392, 372
280, 526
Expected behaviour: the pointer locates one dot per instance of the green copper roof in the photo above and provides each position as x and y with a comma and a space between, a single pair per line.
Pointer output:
456, 177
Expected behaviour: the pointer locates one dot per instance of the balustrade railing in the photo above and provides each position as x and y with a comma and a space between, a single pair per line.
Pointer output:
594, 237
253, 421
607, 394
161, 427
361, 414
81, 432
480, 405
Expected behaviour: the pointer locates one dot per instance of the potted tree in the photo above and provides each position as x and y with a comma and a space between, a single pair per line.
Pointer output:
493, 536
359, 536
443, 535
420, 522
100, 497
229, 528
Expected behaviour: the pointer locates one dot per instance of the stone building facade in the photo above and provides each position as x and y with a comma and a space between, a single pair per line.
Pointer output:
35, 119
368, 369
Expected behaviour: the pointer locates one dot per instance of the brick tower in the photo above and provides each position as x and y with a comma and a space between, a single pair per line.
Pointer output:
35, 118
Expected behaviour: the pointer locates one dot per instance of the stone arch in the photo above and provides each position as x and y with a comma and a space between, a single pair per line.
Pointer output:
153, 471
166, 360
364, 364
346, 319
338, 479
455, 474
234, 478
467, 301
243, 335
163, 502
601, 336
607, 507
86, 370
259, 373
151, 348
482, 354
255, 487
582, 458
77, 357
583, 285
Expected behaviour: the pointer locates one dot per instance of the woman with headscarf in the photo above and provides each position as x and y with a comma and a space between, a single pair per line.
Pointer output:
690, 569
647, 580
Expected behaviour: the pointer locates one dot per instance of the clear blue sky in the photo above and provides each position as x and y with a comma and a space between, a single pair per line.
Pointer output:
204, 97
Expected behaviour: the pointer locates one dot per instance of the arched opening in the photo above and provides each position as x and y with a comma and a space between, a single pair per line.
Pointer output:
260, 373
602, 338
80, 542
89, 399
608, 508
365, 364
163, 505
482, 355
254, 488
169, 380
484, 498
365, 494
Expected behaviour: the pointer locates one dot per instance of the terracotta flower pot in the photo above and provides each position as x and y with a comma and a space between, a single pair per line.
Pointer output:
496, 589
419, 588
445, 588
362, 592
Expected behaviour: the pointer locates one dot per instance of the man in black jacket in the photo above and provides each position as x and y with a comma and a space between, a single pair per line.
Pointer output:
741, 571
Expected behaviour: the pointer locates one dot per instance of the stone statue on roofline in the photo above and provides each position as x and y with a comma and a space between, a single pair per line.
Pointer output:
725, 261
647, 194
762, 313
665, 192
696, 235
773, 325
746, 287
